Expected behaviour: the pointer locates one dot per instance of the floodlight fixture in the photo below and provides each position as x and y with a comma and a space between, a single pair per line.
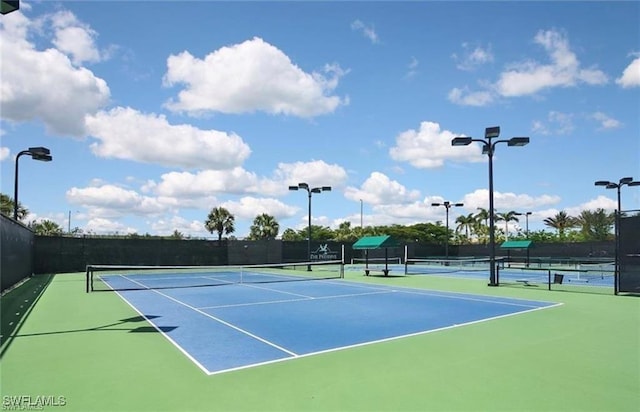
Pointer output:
461, 141
303, 185
293, 187
636, 183
7, 6
486, 148
602, 183
611, 185
626, 180
491, 132
518, 141
326, 188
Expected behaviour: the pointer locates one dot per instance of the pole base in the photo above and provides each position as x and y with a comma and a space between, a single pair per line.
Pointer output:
492, 284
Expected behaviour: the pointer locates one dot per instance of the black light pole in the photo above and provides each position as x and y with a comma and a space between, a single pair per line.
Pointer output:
526, 216
488, 149
36, 153
447, 205
309, 190
612, 185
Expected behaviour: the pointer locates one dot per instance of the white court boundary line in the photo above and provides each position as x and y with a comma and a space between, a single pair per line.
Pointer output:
381, 290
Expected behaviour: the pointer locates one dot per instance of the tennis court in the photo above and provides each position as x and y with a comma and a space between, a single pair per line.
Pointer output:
355, 343
265, 317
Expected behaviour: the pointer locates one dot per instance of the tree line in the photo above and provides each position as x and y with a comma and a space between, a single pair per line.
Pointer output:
589, 225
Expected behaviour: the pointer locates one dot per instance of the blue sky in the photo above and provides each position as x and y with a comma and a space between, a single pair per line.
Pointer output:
157, 111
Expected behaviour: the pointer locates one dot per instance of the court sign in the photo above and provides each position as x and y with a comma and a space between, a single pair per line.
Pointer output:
323, 252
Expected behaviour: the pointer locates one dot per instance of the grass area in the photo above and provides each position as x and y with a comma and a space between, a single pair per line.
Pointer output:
99, 355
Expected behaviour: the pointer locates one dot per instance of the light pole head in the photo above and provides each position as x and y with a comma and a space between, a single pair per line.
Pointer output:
293, 187
461, 141
303, 185
436, 204
636, 183
602, 183
491, 132
458, 204
326, 188
626, 180
9, 5
612, 185
316, 190
518, 141
41, 151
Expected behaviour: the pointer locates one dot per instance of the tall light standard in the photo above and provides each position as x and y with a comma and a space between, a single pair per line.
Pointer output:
361, 220
612, 185
447, 205
526, 216
488, 149
36, 153
310, 191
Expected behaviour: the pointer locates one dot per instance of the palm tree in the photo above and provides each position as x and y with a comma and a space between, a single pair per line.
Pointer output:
467, 223
507, 217
221, 221
46, 228
595, 225
481, 226
561, 221
6, 207
264, 227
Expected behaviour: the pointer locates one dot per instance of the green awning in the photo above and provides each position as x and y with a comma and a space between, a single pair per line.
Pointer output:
516, 244
375, 242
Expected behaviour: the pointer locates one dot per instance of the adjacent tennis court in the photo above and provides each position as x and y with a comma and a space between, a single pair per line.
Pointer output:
252, 318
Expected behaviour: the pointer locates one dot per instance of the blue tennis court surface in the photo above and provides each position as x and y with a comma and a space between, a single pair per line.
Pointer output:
224, 328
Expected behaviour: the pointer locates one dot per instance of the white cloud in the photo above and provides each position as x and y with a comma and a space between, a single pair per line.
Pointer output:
631, 74
247, 77
29, 76
109, 201
473, 57
557, 123
412, 68
250, 207
531, 77
74, 38
378, 189
4, 153
430, 146
465, 97
100, 225
605, 121
368, 31
504, 202
125, 133
314, 173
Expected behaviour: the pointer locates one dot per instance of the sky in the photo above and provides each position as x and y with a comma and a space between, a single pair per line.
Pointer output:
155, 112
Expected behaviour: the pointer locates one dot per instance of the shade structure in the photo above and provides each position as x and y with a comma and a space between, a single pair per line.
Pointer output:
517, 244
376, 242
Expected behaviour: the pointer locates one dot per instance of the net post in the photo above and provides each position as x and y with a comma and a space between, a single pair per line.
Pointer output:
342, 263
549, 279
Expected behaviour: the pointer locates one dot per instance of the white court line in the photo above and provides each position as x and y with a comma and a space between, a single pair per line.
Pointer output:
222, 322
382, 340
269, 302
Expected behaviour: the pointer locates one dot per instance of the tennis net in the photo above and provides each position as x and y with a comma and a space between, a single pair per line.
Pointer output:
123, 277
420, 266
